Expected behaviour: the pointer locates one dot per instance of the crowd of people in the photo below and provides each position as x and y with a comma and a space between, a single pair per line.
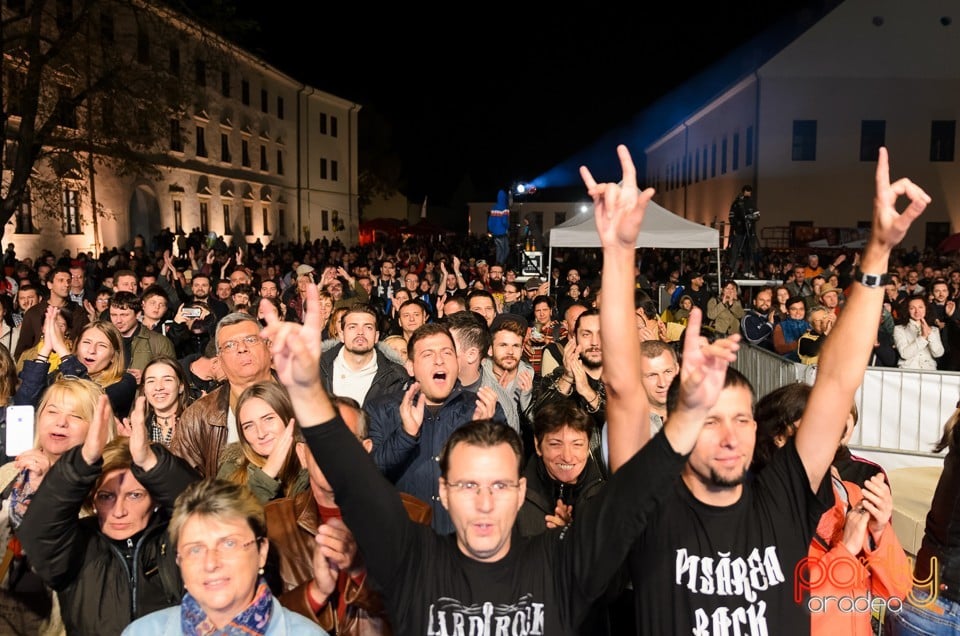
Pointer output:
414, 439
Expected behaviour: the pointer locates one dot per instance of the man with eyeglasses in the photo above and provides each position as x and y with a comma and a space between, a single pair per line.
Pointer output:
209, 424
486, 578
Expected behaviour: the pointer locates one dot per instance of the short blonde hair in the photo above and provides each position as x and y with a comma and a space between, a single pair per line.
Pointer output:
221, 500
84, 393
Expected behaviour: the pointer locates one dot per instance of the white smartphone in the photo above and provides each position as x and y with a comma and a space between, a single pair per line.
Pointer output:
20, 426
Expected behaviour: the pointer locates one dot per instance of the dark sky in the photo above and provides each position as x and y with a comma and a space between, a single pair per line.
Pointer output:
500, 95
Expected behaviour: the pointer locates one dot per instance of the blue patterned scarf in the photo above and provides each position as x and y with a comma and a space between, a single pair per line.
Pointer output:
253, 620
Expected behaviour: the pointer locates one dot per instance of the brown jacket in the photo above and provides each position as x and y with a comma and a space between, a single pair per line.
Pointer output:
201, 433
291, 527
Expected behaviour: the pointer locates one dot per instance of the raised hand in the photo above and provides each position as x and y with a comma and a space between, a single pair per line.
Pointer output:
338, 544
855, 530
618, 208
98, 432
562, 515
890, 226
289, 338
878, 502
411, 409
35, 462
486, 404
140, 451
704, 368
280, 452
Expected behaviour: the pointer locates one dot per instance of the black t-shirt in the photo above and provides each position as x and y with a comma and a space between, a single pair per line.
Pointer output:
705, 570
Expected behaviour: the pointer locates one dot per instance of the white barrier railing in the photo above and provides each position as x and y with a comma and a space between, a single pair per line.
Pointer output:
902, 411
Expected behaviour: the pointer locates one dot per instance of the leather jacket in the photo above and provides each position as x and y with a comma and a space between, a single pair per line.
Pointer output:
201, 433
291, 527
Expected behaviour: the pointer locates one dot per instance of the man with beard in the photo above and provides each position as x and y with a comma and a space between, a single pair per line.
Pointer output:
757, 323
200, 286
514, 374
355, 367
579, 377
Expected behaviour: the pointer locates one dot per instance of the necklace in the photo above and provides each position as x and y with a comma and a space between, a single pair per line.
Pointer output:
164, 433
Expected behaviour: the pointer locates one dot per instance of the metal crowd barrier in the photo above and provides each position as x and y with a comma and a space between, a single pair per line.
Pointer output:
902, 411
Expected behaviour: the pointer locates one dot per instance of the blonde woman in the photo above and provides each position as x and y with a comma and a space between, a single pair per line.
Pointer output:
62, 421
96, 355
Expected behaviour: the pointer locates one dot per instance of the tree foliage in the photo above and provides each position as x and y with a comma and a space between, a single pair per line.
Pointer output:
90, 84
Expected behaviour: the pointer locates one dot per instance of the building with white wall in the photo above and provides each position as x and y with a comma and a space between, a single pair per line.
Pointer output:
803, 127
259, 155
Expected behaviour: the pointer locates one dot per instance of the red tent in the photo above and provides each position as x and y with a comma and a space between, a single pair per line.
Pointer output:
370, 229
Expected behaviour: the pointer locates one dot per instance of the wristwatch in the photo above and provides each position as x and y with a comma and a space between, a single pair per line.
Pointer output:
873, 281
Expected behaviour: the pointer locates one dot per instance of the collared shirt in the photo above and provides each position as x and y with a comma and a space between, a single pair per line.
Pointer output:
352, 383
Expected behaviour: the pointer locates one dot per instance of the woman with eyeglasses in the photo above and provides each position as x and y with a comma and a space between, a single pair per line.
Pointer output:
97, 354
218, 531
265, 458
114, 565
62, 421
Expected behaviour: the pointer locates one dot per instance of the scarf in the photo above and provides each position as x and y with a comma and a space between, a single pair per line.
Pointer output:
20, 496
793, 328
253, 620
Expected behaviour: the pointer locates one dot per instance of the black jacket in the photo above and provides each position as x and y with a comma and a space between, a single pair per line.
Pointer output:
390, 377
98, 593
543, 492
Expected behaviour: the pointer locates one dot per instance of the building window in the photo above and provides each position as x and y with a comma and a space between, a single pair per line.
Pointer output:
71, 211
263, 101
245, 153
245, 92
804, 140
873, 134
323, 123
279, 107
143, 46
749, 148
282, 221
226, 218
942, 138
200, 70
266, 226
713, 159
324, 220
247, 220
323, 168
66, 111
201, 141
736, 151
225, 148
176, 140
225, 83
279, 162
178, 216
175, 61
24, 220
723, 156
333, 170
204, 217
107, 31
263, 158
333, 126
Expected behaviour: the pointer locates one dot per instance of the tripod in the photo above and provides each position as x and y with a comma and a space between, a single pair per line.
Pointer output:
745, 245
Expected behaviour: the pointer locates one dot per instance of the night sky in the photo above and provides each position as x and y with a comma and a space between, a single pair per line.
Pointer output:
496, 96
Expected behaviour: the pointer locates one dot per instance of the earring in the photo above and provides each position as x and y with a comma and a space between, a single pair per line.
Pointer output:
260, 571
156, 508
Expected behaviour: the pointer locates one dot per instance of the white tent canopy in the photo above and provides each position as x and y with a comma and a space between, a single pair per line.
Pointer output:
660, 228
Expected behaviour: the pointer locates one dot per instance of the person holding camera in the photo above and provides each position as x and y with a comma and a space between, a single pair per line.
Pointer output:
743, 216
